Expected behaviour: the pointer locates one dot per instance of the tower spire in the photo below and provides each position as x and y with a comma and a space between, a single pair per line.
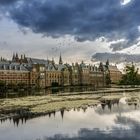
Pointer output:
60, 60
17, 55
13, 58
53, 61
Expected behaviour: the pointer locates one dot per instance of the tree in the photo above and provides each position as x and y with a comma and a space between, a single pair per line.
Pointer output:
107, 62
131, 77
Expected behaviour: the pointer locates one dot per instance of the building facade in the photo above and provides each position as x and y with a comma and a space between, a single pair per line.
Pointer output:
45, 73
85, 74
76, 74
115, 74
53, 76
14, 74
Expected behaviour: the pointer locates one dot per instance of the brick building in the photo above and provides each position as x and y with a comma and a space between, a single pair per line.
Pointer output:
53, 75
45, 73
14, 74
85, 73
115, 74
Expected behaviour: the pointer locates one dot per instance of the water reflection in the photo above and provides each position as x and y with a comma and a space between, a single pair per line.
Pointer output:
53, 90
113, 120
109, 103
96, 134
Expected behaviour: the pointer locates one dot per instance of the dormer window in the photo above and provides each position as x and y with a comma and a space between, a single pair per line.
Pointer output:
9, 67
15, 67
4, 67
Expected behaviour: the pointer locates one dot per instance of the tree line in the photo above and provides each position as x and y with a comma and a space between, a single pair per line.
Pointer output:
131, 76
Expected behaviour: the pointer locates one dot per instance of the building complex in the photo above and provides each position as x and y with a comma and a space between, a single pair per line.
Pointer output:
46, 73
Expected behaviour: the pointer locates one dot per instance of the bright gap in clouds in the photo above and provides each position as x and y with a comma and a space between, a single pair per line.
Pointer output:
124, 2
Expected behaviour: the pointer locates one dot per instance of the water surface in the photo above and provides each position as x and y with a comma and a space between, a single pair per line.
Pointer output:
52, 90
114, 121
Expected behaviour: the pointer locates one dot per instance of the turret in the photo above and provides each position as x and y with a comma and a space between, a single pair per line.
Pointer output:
101, 67
25, 59
16, 55
21, 57
16, 58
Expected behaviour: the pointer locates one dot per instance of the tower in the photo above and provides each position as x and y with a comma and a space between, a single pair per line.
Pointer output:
17, 55
13, 58
16, 58
25, 59
53, 62
21, 57
60, 60
101, 67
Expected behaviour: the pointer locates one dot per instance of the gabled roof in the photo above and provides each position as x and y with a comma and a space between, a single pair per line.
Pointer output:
51, 67
38, 61
114, 68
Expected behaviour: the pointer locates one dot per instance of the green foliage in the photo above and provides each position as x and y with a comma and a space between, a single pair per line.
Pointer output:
131, 77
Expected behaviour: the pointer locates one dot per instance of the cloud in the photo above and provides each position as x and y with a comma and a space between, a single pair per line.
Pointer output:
7, 2
117, 133
88, 20
119, 45
116, 57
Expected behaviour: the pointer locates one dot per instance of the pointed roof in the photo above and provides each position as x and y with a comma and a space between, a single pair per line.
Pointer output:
16, 55
53, 62
13, 58
60, 60
21, 57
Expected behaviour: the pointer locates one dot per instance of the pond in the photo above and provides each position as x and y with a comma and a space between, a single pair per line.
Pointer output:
113, 121
47, 91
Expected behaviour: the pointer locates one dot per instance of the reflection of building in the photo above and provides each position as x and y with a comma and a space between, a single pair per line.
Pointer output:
46, 73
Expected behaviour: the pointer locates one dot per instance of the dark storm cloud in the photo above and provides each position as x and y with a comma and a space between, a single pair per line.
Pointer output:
86, 20
7, 2
116, 57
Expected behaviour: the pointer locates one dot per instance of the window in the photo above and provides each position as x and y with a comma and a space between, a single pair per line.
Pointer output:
42, 74
42, 68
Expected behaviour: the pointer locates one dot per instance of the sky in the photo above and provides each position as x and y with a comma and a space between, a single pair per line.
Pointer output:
77, 29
